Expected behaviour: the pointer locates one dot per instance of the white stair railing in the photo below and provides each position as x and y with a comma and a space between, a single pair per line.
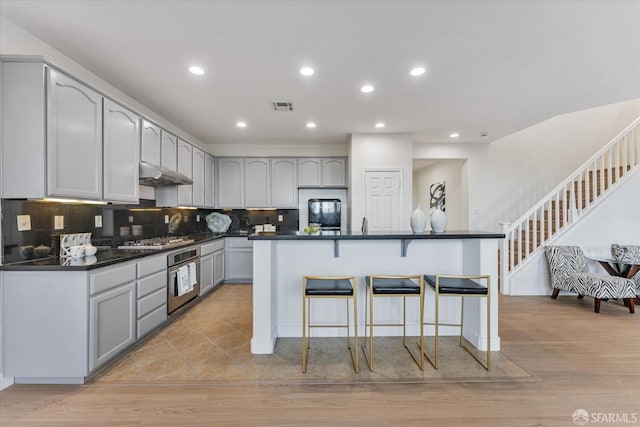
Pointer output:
569, 201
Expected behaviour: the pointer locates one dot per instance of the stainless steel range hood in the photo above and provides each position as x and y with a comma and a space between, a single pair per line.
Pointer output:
157, 176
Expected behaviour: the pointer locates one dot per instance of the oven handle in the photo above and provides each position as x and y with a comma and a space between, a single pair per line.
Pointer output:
173, 275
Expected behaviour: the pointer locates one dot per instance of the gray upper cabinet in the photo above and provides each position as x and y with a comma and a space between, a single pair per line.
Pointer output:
310, 172
230, 183
120, 153
209, 181
185, 167
198, 177
74, 139
322, 172
150, 145
334, 172
178, 195
257, 191
284, 191
23, 130
169, 157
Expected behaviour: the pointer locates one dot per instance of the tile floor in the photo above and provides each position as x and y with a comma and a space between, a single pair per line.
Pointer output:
210, 342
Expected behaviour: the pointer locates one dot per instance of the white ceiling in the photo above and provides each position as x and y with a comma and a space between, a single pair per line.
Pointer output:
493, 66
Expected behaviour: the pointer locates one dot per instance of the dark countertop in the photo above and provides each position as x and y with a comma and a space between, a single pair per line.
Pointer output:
393, 235
104, 257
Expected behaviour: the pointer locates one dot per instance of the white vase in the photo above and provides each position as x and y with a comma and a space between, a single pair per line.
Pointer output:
418, 220
438, 221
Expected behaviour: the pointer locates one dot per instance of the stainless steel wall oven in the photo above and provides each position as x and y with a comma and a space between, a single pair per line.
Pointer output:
183, 289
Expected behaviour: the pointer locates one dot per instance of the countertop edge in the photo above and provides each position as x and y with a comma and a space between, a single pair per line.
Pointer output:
127, 255
462, 234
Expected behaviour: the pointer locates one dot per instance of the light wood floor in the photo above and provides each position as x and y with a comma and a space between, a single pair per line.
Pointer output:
580, 360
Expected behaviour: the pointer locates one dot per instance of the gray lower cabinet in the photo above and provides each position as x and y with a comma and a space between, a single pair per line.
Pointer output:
112, 323
239, 260
218, 267
151, 291
112, 312
211, 265
44, 331
206, 273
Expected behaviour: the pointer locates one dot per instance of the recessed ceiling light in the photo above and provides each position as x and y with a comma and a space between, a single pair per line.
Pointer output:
311, 125
307, 71
454, 135
198, 71
241, 124
379, 125
367, 89
417, 71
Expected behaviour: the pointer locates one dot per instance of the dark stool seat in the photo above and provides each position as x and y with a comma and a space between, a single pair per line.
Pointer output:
325, 288
328, 287
457, 285
394, 286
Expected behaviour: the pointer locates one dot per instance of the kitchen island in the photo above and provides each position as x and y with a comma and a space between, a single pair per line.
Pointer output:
281, 259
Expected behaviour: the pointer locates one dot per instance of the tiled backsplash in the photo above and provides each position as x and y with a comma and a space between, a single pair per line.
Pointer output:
81, 218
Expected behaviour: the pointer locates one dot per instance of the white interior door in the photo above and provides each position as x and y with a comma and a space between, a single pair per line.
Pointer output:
383, 200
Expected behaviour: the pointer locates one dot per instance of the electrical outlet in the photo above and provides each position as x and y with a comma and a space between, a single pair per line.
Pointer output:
58, 222
197, 218
131, 218
280, 218
166, 219
98, 221
24, 222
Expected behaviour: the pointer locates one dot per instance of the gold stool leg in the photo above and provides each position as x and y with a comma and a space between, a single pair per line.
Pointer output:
368, 315
488, 328
304, 327
355, 323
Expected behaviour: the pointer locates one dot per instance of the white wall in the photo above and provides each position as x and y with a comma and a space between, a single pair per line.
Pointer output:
449, 171
615, 220
507, 176
379, 151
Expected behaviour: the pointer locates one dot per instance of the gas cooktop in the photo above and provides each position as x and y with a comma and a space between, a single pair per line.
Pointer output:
157, 243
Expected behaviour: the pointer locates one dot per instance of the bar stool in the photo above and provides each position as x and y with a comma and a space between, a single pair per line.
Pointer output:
394, 286
328, 287
460, 286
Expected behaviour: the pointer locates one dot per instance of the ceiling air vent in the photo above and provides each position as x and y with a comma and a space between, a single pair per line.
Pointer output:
282, 106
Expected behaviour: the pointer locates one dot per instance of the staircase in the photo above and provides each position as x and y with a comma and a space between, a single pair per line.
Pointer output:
569, 201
